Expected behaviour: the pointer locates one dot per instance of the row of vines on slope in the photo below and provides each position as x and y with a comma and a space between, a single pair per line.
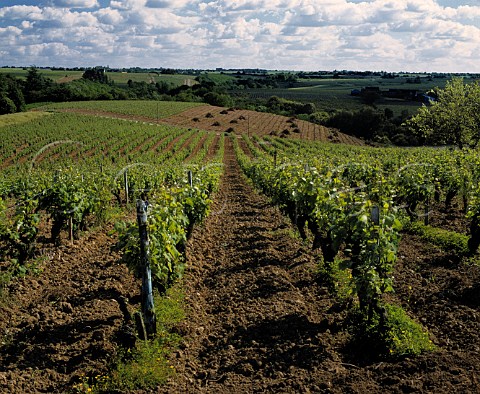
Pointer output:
352, 202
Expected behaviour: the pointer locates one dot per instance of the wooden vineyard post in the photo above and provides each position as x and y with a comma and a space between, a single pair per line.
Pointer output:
148, 308
70, 228
275, 159
190, 178
125, 181
426, 211
375, 215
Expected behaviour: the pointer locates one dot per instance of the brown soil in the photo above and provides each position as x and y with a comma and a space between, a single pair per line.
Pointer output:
63, 323
213, 148
196, 149
259, 319
220, 119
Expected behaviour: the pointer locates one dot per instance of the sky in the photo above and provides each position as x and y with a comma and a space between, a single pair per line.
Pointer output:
309, 35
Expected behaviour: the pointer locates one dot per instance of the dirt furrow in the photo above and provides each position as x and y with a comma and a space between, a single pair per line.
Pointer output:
255, 314
259, 320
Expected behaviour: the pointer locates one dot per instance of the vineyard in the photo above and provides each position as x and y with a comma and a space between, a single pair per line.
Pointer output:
307, 262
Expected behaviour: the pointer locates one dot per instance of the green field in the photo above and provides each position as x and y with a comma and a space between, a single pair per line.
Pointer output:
57, 76
119, 78
331, 94
148, 109
20, 117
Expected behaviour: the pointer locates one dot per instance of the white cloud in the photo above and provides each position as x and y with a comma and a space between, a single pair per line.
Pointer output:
166, 3
127, 4
19, 12
76, 3
293, 34
109, 16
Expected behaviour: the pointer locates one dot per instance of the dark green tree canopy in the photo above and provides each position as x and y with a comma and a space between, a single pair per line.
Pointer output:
453, 119
96, 75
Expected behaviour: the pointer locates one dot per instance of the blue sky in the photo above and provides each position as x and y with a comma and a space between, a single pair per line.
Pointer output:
390, 35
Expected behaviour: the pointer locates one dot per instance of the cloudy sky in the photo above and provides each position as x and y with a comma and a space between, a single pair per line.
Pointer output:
391, 35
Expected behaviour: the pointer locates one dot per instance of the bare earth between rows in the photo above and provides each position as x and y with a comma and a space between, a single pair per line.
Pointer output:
255, 318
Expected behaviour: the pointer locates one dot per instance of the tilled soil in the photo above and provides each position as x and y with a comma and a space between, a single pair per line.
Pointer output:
62, 325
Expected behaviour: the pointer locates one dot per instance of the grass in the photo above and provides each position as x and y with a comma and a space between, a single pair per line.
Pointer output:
119, 78
449, 241
396, 337
20, 117
56, 75
338, 280
403, 336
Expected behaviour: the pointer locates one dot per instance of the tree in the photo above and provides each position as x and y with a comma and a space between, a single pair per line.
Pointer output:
220, 100
453, 119
7, 106
10, 88
96, 75
36, 85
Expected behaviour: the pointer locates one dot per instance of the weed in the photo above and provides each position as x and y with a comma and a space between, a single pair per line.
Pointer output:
449, 241
393, 335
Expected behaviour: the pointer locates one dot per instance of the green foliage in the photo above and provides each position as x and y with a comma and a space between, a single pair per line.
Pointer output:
72, 196
167, 231
453, 118
449, 241
365, 123
372, 245
288, 107
7, 106
18, 232
96, 75
11, 96
391, 334
473, 213
172, 213
338, 279
36, 85
148, 109
337, 204
220, 100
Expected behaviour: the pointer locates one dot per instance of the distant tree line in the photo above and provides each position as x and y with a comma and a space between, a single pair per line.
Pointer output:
368, 123
452, 119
